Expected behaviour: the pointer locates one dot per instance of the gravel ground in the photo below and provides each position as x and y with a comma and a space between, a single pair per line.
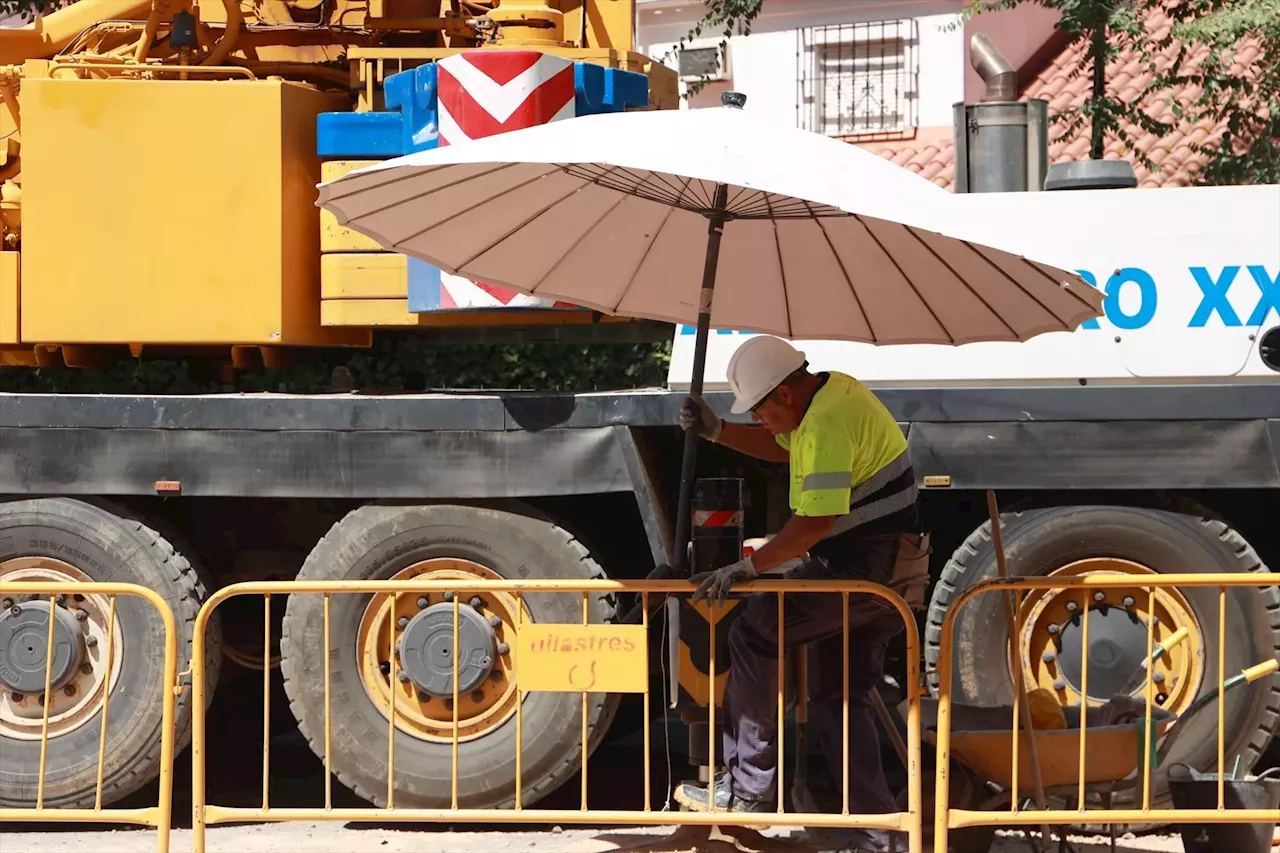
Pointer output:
339, 838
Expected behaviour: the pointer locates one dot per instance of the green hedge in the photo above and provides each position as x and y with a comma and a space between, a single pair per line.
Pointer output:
390, 366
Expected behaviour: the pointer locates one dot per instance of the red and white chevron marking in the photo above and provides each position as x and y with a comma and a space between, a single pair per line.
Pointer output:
480, 93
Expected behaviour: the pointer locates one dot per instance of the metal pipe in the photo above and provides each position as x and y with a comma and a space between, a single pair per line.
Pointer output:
10, 95
158, 9
55, 31
235, 21
1001, 77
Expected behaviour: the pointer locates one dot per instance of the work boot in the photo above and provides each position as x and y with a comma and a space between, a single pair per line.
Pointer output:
699, 799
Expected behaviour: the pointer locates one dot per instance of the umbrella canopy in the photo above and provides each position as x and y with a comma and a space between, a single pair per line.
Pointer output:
821, 239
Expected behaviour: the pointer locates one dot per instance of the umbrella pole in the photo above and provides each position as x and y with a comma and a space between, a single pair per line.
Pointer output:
684, 516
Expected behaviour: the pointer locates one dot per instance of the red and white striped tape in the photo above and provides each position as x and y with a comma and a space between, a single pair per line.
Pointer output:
717, 518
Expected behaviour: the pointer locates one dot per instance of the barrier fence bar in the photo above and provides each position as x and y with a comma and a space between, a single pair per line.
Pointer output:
909, 822
159, 815
1147, 731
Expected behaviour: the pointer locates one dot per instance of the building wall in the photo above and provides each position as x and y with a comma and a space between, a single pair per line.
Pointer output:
764, 65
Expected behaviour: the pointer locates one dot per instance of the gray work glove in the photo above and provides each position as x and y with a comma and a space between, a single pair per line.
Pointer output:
697, 415
715, 586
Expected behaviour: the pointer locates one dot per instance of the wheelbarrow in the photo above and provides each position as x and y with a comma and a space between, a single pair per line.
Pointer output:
982, 749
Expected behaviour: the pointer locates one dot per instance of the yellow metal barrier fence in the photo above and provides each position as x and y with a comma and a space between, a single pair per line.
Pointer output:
159, 815
567, 674
1119, 753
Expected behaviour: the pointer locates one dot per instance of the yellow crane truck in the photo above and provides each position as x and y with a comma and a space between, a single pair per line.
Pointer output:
158, 163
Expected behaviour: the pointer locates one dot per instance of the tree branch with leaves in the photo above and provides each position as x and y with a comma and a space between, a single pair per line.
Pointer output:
1242, 97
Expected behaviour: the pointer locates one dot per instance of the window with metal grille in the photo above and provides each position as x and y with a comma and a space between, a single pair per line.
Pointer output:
858, 78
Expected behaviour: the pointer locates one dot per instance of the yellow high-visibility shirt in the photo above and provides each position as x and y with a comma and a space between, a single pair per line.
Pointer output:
845, 439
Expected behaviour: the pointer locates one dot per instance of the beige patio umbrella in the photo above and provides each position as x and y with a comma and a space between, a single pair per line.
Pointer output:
649, 214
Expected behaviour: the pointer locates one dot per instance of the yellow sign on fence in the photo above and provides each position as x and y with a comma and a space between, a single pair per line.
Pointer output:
577, 658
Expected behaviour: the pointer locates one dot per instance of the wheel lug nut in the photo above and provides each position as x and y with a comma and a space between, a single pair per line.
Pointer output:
384, 668
1053, 629
1072, 607
91, 641
477, 696
1158, 678
402, 622
8, 602
1128, 601
423, 602
1099, 596
15, 610
18, 697
81, 615
402, 675
495, 621
477, 602
1049, 657
86, 668
70, 690
503, 648
40, 700
448, 596
1059, 684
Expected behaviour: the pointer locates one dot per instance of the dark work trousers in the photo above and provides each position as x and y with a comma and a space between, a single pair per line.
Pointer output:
751, 696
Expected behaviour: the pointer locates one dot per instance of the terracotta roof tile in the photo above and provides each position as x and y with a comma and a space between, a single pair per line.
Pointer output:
932, 153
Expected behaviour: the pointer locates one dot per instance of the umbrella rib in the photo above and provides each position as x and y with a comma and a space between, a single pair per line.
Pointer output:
600, 177
388, 176
447, 186
1056, 283
657, 232
644, 182
522, 225
853, 291
578, 240
962, 280
468, 209
782, 272
732, 203
908, 280
977, 250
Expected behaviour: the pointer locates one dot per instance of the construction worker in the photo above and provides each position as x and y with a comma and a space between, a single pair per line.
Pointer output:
855, 515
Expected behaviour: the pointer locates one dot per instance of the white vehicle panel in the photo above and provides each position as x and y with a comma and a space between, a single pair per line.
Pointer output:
1192, 277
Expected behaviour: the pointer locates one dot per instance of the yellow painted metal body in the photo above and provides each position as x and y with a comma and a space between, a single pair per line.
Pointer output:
235, 257
1074, 758
593, 645
169, 190
159, 815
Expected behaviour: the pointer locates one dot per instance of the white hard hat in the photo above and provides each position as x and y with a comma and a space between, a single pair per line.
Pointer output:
758, 367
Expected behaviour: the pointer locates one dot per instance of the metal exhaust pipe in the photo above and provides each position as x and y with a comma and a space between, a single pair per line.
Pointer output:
1001, 77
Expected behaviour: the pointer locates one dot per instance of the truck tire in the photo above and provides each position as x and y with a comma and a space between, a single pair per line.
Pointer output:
65, 539
378, 542
1041, 541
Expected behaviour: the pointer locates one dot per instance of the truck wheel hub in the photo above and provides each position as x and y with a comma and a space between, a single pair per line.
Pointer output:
415, 687
1052, 639
83, 634
1117, 645
427, 653
24, 647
